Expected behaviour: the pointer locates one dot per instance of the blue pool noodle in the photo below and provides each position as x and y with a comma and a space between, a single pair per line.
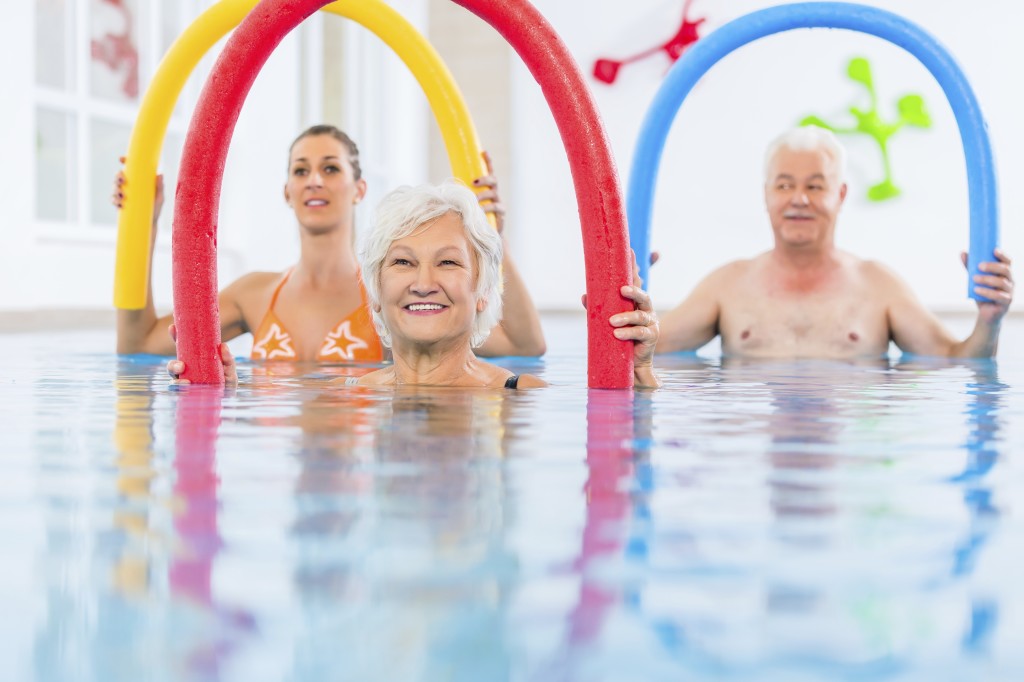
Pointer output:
698, 59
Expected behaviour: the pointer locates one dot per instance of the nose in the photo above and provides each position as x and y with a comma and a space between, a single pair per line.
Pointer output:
314, 179
425, 283
799, 198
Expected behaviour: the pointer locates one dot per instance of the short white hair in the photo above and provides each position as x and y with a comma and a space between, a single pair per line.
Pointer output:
405, 209
808, 138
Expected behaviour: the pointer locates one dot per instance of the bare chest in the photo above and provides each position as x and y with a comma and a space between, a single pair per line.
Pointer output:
838, 323
308, 317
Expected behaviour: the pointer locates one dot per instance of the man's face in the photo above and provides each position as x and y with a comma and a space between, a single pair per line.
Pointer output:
803, 195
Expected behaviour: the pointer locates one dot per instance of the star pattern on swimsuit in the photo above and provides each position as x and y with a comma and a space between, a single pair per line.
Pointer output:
341, 335
276, 344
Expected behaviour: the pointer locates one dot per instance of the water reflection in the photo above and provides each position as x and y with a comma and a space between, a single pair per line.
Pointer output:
402, 511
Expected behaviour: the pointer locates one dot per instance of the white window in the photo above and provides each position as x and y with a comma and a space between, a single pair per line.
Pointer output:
93, 61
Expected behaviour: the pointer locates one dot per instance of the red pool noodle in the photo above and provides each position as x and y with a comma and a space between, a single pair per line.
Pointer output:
598, 193
197, 199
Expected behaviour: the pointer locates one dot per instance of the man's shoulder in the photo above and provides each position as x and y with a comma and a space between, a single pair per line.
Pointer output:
874, 270
734, 268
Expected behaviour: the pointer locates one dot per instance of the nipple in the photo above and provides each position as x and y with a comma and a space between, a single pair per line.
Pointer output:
854, 336
745, 335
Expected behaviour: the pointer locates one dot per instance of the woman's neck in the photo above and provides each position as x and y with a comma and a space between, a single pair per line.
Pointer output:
326, 259
433, 366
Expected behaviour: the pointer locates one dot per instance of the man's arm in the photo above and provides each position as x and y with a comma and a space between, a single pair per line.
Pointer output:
916, 330
693, 322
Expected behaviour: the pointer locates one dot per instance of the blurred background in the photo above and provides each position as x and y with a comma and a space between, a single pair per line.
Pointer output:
75, 71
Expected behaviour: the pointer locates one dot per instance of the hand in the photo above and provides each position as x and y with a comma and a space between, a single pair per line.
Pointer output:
176, 367
488, 198
118, 197
640, 326
996, 285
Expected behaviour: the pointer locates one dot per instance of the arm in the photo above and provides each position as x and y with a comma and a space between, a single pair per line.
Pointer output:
693, 322
142, 331
917, 330
519, 332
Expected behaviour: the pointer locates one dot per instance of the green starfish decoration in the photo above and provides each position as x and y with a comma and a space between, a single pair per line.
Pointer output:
911, 110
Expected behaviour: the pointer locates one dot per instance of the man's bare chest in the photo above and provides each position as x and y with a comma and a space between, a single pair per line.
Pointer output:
819, 325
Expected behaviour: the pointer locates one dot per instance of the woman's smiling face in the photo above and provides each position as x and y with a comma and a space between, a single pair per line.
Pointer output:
322, 187
428, 285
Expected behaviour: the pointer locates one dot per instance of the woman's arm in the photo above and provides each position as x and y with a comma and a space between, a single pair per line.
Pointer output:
520, 331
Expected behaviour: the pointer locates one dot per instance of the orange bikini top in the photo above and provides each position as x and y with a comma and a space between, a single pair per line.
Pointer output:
352, 340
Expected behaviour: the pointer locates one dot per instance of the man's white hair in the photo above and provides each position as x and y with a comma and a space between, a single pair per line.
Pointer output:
406, 209
808, 138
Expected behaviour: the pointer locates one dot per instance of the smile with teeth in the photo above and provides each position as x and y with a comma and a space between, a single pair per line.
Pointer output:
420, 307
316, 202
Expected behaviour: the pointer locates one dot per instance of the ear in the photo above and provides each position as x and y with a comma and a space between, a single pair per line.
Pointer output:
287, 197
360, 189
481, 305
842, 193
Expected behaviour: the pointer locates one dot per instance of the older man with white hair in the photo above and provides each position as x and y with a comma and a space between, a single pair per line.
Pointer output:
805, 297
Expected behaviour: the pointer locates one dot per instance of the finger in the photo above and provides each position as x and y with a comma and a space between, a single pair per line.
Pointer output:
641, 334
963, 258
230, 370
173, 331
994, 295
994, 282
638, 296
654, 257
495, 208
1002, 257
994, 266
633, 318
175, 368
486, 195
487, 162
583, 300
997, 270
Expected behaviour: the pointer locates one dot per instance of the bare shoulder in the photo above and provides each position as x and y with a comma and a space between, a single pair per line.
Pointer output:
732, 269
877, 274
253, 282
530, 381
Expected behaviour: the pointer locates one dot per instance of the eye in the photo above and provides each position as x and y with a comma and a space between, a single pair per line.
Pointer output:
450, 262
299, 172
331, 169
401, 261
816, 188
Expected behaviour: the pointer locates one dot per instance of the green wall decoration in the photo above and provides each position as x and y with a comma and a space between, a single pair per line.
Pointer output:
911, 112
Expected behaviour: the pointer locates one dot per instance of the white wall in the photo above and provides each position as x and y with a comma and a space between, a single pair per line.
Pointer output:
16, 178
709, 203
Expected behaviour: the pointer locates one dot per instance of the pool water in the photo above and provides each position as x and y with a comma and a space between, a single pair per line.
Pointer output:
750, 521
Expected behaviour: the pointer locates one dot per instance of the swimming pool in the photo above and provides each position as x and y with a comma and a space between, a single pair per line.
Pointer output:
751, 521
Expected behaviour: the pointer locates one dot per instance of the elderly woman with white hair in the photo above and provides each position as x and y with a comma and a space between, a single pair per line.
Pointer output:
431, 266
432, 270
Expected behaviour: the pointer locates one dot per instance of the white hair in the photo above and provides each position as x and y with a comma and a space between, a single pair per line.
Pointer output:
405, 209
808, 138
